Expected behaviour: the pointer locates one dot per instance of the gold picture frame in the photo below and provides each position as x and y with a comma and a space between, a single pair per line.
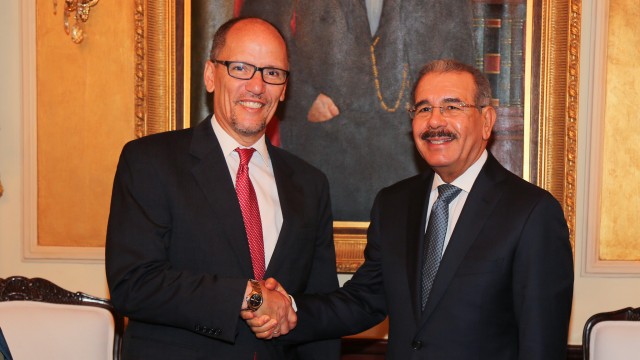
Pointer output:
551, 95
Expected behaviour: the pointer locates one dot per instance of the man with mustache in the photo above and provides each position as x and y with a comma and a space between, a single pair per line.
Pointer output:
197, 213
468, 260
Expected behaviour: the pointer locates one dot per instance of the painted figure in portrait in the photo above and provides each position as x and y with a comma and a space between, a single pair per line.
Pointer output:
352, 63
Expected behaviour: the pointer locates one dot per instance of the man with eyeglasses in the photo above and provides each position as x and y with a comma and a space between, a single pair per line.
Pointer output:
199, 217
468, 260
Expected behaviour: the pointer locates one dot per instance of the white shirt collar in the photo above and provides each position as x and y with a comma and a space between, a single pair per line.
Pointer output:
229, 144
466, 180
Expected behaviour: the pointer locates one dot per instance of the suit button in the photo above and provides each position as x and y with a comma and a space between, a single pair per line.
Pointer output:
217, 332
416, 345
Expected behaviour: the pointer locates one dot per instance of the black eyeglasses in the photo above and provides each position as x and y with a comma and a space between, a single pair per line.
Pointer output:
244, 71
447, 110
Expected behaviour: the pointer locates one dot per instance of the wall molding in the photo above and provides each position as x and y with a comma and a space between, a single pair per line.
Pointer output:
593, 265
32, 250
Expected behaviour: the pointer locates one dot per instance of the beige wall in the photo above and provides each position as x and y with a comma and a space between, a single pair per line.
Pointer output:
85, 115
619, 229
88, 91
598, 292
592, 294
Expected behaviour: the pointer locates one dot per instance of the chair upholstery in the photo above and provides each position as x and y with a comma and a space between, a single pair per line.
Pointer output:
612, 335
41, 320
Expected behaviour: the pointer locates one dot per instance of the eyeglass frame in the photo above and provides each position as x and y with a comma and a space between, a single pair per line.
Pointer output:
413, 110
256, 69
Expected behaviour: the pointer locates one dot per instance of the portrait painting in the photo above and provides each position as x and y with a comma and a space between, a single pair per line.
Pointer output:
352, 66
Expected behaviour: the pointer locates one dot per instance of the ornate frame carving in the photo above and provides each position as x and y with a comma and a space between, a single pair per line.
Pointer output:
155, 85
558, 88
554, 54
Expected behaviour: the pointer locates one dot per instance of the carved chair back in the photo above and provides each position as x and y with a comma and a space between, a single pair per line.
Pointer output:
612, 335
41, 320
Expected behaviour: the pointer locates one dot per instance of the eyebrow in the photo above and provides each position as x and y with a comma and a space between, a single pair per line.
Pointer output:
445, 101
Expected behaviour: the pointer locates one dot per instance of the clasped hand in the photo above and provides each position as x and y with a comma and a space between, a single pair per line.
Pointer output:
276, 315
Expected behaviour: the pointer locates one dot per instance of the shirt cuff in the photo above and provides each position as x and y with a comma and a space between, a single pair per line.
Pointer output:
293, 304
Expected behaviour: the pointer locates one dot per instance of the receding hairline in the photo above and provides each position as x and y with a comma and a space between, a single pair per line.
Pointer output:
220, 36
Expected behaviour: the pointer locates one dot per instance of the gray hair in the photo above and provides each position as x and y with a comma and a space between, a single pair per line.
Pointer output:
483, 88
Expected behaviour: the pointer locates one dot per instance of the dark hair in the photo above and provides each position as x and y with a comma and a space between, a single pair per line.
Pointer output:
220, 37
483, 88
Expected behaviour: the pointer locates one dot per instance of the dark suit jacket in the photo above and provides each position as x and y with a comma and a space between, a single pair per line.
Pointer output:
503, 289
177, 257
331, 54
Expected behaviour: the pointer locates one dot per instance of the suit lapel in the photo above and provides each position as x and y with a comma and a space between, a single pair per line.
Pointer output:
212, 175
482, 198
291, 203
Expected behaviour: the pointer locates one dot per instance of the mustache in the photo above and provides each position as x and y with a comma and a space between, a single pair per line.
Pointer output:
437, 134
252, 96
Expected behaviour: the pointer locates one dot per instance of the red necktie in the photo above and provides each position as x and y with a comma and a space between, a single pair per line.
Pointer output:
250, 212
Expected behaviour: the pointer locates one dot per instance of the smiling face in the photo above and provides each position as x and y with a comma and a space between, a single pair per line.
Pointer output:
450, 145
243, 108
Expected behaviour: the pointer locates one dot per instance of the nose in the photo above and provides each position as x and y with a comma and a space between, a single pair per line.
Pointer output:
437, 120
256, 85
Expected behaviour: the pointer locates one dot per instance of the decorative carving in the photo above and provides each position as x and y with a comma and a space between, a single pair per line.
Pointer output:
37, 289
79, 11
350, 239
558, 105
155, 67
633, 314
141, 70
571, 150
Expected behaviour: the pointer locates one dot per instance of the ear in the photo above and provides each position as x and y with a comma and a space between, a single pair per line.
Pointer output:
209, 76
488, 120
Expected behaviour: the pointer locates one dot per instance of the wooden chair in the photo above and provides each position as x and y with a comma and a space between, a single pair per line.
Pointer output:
612, 335
41, 320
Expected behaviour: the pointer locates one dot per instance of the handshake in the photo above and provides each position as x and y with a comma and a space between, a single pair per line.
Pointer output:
275, 316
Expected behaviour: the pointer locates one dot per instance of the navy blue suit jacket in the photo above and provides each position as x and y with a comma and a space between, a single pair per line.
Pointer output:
503, 289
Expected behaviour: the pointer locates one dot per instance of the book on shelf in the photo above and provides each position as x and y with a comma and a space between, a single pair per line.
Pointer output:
499, 28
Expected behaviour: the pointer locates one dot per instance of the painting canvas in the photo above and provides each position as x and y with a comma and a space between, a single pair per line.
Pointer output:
361, 58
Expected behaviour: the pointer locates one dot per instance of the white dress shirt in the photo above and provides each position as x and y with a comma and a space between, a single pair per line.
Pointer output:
464, 182
263, 180
374, 12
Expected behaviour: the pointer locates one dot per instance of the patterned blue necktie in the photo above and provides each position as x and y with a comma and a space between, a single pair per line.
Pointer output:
434, 237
